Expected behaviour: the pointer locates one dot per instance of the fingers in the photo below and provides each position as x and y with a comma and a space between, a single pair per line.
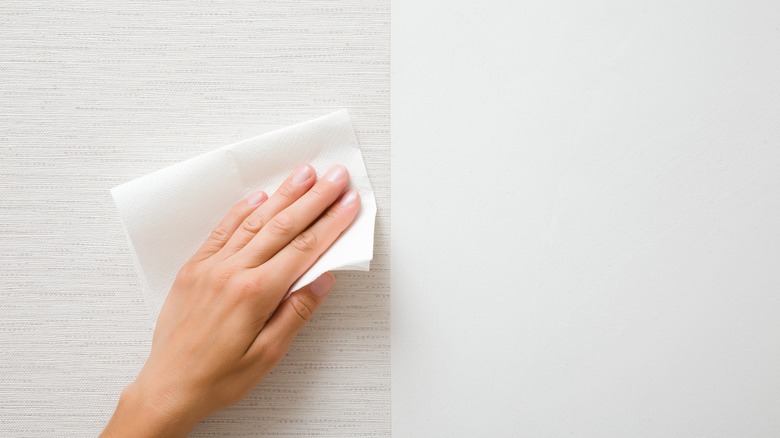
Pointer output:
275, 338
298, 256
228, 226
298, 183
293, 220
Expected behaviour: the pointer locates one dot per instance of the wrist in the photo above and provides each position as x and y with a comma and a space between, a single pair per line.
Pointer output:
141, 413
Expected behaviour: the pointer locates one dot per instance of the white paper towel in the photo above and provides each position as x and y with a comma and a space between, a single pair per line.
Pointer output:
169, 213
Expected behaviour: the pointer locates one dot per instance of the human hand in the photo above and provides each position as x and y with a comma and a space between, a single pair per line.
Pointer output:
225, 323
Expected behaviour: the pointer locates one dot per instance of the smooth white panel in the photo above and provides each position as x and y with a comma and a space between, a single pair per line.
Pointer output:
585, 220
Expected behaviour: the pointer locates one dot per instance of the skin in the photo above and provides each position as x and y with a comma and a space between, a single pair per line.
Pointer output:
226, 322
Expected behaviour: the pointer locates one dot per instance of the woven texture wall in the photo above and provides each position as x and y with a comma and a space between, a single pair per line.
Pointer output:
93, 95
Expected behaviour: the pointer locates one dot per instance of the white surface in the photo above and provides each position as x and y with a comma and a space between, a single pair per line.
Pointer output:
93, 94
585, 219
168, 214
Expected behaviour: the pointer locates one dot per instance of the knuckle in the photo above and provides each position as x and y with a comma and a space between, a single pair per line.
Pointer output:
306, 241
253, 224
330, 215
220, 234
283, 224
221, 277
286, 190
318, 191
248, 288
187, 273
303, 305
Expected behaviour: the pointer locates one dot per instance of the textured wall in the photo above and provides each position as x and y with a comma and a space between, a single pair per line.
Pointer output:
92, 96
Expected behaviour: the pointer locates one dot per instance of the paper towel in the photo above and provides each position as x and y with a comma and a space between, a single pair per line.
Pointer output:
168, 214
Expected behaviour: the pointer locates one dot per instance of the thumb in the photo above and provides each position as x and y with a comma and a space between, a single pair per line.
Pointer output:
293, 313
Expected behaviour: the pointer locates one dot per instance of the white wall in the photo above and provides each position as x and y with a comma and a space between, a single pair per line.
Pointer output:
586, 210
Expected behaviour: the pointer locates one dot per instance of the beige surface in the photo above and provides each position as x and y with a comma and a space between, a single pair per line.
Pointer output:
93, 96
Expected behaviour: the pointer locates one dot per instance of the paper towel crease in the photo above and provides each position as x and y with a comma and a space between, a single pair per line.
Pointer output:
169, 213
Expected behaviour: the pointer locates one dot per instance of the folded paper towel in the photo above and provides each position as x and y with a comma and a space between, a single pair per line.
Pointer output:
169, 213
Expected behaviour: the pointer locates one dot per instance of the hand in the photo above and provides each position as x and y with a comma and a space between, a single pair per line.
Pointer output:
225, 323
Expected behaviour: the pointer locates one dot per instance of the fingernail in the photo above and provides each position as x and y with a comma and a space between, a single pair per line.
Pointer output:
256, 199
301, 174
336, 173
349, 198
323, 284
